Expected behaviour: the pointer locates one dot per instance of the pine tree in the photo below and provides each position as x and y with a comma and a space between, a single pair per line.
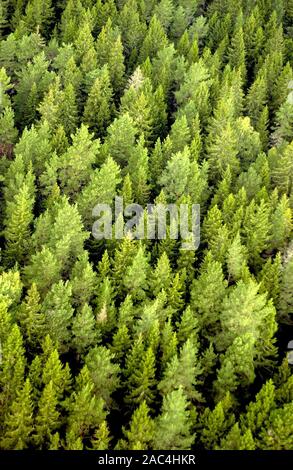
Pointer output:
182, 372
135, 280
47, 418
68, 110
138, 102
121, 138
235, 440
66, 245
83, 330
30, 317
141, 382
278, 432
282, 169
173, 426
123, 258
207, 293
116, 66
237, 51
18, 223
252, 311
188, 326
237, 366
98, 108
193, 94
168, 344
43, 269
105, 312
141, 429
161, 276
103, 372
18, 424
216, 422
154, 40
39, 16
270, 277
281, 223
174, 178
35, 146
75, 165
83, 280
86, 410
223, 152
138, 170
3, 18
8, 131
57, 373
121, 342
236, 259
256, 229
102, 438
164, 12
58, 313
34, 81
12, 367
101, 188
285, 300
258, 411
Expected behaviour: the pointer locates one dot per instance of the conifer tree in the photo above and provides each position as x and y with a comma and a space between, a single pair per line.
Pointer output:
270, 277
278, 432
154, 40
258, 411
175, 177
98, 108
18, 424
141, 429
34, 81
86, 410
101, 438
285, 299
182, 372
139, 171
256, 228
12, 367
281, 223
83, 280
47, 418
161, 276
173, 426
43, 269
103, 372
142, 381
236, 259
101, 189
58, 313
31, 319
216, 422
83, 330
121, 138
58, 373
207, 293
168, 345
135, 280
75, 165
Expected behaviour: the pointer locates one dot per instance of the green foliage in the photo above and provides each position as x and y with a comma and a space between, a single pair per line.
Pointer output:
174, 425
127, 343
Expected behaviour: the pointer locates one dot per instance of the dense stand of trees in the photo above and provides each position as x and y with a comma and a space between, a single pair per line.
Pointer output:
127, 344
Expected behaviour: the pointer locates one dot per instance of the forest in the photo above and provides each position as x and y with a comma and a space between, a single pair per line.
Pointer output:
138, 344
